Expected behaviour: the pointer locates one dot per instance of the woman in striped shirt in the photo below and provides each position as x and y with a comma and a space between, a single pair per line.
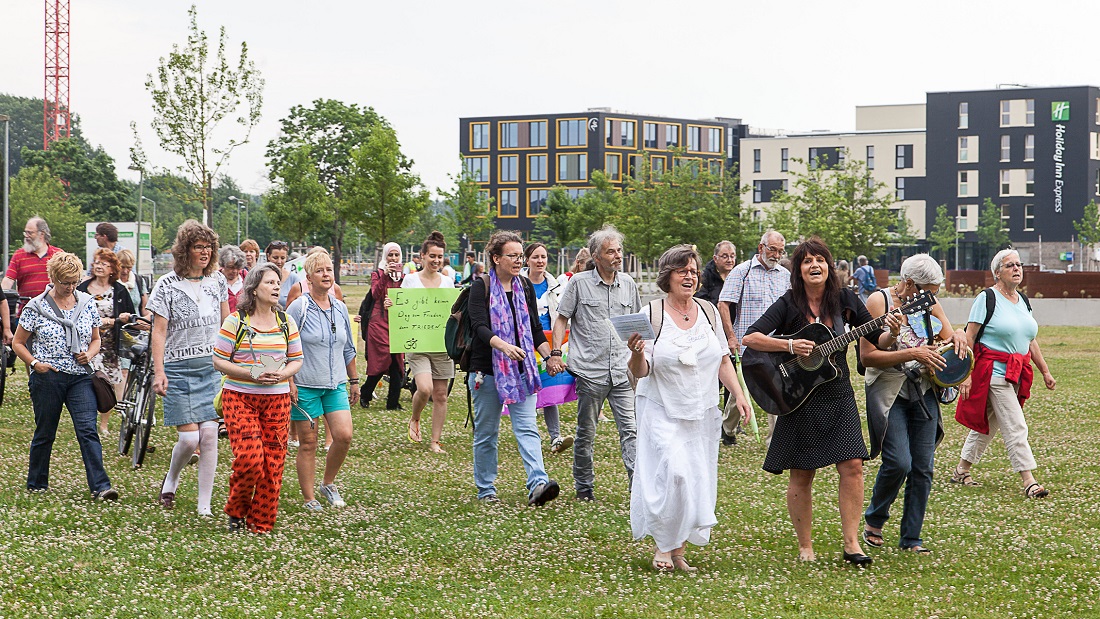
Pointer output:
258, 349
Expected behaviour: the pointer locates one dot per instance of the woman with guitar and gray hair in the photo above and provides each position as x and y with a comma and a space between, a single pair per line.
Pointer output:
903, 410
804, 379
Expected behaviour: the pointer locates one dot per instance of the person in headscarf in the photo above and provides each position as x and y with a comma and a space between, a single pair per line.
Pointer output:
379, 359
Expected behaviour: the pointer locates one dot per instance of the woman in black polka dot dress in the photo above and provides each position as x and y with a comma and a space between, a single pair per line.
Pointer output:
826, 429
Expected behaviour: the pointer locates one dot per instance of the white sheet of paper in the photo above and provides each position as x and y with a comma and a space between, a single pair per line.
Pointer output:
625, 326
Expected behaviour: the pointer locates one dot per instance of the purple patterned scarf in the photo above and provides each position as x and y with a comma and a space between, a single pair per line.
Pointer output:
512, 384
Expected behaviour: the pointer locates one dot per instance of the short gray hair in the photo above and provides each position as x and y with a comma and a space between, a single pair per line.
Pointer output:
231, 257
721, 244
861, 259
922, 269
42, 226
995, 263
770, 233
602, 237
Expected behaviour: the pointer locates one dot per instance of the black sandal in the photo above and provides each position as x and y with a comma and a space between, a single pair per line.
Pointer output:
1039, 491
874, 540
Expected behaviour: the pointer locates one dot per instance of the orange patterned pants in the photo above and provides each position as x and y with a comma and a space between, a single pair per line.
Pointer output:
257, 425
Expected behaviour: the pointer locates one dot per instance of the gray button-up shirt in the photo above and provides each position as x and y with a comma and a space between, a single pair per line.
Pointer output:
595, 352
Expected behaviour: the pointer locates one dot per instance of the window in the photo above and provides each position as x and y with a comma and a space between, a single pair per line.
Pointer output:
756, 159
612, 166
509, 135
483, 196
814, 162
1006, 182
1029, 217
841, 155
509, 203
573, 167
964, 115
1018, 113
575, 193
509, 169
478, 168
1029, 147
688, 162
650, 130
1029, 186
904, 155
694, 138
536, 200
968, 183
1005, 217
536, 168
714, 140
757, 192
479, 138
636, 163
627, 132
1006, 113
964, 149
1006, 148
784, 160
657, 166
672, 136
870, 157
899, 188
1098, 111
962, 221
1095, 142
572, 132
1030, 118
714, 166
1098, 182
537, 133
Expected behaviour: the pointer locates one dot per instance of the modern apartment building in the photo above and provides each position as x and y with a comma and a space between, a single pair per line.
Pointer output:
1035, 152
517, 159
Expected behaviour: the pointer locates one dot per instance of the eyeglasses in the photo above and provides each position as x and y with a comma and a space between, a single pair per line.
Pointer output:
687, 273
71, 284
30, 232
1012, 265
514, 257
202, 248
775, 250
726, 256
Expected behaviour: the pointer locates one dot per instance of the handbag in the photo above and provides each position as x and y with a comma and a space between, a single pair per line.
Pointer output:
105, 399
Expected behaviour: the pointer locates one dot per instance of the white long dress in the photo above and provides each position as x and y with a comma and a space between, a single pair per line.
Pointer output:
679, 423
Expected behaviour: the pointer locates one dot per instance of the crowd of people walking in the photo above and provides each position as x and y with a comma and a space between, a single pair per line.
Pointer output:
270, 347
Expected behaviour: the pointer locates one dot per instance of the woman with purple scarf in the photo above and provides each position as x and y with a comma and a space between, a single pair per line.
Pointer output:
502, 368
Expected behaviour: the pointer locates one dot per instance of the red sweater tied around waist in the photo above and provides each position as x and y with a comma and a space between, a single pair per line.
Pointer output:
971, 411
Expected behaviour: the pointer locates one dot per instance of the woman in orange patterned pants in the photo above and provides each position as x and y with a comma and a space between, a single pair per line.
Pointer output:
258, 349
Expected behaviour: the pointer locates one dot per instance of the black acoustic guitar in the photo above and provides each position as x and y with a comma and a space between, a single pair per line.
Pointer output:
780, 382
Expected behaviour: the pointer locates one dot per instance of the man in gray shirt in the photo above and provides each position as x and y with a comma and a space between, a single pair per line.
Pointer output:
597, 357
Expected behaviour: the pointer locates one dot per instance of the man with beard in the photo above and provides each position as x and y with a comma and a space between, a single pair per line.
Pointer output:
750, 289
597, 358
27, 268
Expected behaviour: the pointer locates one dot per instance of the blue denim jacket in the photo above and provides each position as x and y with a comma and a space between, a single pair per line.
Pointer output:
325, 354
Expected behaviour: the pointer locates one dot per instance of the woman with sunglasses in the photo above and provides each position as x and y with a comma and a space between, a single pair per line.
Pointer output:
992, 398
188, 306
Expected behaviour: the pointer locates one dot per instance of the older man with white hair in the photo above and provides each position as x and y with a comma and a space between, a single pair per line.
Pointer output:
27, 268
750, 289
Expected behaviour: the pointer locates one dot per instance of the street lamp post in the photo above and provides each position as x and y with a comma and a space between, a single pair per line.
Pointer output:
240, 204
956, 242
4, 119
153, 226
141, 198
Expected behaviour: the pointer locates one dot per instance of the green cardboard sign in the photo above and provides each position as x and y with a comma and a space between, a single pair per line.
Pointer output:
418, 318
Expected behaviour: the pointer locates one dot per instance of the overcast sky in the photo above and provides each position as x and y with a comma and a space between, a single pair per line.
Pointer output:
423, 65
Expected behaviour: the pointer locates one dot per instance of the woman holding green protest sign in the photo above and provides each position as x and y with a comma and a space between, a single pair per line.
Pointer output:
431, 371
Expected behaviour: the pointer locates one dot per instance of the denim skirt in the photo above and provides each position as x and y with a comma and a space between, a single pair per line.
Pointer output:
192, 385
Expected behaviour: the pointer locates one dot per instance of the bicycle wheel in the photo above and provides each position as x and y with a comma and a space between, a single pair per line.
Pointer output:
127, 426
147, 402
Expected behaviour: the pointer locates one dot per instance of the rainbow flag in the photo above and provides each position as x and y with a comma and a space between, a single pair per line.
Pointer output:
555, 389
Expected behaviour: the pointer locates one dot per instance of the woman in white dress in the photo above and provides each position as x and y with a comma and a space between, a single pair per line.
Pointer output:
675, 484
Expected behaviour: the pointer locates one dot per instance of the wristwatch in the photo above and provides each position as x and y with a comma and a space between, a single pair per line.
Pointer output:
34, 362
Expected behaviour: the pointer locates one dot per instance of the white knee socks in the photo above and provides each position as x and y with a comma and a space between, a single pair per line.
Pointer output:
181, 453
208, 463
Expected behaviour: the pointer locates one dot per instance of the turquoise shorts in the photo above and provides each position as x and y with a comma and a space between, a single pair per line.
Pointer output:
312, 403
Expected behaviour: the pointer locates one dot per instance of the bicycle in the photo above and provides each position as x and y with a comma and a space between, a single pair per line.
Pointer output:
138, 403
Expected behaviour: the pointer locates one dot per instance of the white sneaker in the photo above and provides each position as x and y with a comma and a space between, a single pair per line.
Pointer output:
332, 495
293, 444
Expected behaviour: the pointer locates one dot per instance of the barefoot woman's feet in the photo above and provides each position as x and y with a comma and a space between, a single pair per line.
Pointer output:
436, 447
806, 554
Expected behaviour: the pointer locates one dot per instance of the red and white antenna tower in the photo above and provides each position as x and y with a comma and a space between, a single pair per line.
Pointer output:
55, 113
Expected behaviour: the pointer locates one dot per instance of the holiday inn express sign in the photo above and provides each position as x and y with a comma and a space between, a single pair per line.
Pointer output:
1059, 113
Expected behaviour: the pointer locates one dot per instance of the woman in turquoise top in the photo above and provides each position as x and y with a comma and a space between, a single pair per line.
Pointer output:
1009, 334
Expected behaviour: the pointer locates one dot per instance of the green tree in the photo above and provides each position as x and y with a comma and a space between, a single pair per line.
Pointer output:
383, 195
556, 224
93, 186
25, 128
643, 218
1088, 227
192, 97
299, 200
944, 234
735, 221
991, 233
38, 191
597, 206
469, 211
842, 204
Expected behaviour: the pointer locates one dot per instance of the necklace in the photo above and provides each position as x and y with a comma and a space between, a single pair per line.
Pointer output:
193, 279
684, 314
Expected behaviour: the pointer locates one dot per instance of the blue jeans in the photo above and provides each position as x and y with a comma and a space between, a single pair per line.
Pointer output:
907, 454
590, 398
48, 392
487, 408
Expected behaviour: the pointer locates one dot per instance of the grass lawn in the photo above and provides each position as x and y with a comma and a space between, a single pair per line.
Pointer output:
413, 540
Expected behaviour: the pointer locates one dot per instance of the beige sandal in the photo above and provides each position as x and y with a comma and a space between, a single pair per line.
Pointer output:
436, 447
962, 478
681, 563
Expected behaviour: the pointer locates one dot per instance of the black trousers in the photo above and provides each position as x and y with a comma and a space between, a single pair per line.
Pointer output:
396, 373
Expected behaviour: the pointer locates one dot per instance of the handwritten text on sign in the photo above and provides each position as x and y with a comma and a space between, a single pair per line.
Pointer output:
418, 318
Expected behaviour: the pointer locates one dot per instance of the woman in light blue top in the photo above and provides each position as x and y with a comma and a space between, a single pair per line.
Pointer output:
321, 387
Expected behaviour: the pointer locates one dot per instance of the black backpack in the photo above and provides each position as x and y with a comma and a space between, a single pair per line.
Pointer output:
459, 334
991, 305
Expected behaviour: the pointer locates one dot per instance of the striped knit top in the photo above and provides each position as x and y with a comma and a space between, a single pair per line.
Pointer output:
258, 349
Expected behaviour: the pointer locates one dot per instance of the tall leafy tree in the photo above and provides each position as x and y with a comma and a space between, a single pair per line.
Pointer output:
93, 186
597, 206
643, 218
25, 128
991, 233
1088, 227
383, 195
557, 224
299, 200
943, 235
193, 97
38, 191
468, 211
